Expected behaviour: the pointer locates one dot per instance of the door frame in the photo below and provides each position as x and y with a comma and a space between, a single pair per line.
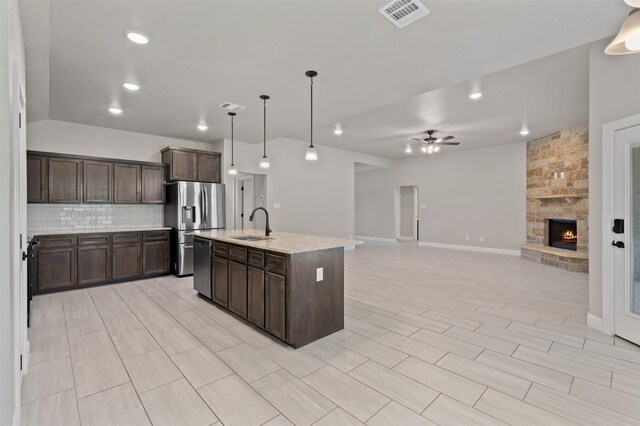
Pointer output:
609, 130
397, 209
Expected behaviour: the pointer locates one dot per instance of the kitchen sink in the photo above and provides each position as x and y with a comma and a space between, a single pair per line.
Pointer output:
252, 238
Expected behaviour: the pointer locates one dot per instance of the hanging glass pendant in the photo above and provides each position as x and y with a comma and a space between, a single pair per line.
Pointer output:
628, 39
264, 162
232, 169
312, 154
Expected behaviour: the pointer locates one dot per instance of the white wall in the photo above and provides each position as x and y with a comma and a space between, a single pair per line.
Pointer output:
11, 328
315, 197
479, 193
80, 139
614, 93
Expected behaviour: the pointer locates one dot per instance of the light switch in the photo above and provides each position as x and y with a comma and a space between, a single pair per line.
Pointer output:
319, 274
276, 205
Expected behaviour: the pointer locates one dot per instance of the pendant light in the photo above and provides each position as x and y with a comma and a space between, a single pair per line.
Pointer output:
232, 168
264, 162
628, 39
312, 154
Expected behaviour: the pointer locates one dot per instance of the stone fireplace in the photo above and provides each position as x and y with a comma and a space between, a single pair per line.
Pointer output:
558, 200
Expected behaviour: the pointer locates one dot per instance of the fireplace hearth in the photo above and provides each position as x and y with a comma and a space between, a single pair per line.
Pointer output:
563, 234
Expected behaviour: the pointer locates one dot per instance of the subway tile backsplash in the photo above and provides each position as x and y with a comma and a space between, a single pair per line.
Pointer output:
42, 217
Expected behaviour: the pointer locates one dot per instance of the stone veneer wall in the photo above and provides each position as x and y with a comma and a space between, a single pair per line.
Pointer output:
564, 152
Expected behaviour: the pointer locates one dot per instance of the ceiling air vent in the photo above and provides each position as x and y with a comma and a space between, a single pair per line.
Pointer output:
231, 107
404, 12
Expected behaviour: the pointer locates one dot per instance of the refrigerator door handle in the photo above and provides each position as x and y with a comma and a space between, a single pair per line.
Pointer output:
205, 206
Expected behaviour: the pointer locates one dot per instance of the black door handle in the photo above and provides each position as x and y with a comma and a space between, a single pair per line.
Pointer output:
618, 244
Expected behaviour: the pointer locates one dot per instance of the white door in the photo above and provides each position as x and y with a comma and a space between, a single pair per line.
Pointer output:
625, 233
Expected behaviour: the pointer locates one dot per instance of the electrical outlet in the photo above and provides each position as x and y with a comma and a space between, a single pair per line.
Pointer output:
319, 274
467, 238
276, 205
482, 239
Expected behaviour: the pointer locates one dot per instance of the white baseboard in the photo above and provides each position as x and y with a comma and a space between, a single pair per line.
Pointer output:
406, 238
367, 238
595, 322
470, 248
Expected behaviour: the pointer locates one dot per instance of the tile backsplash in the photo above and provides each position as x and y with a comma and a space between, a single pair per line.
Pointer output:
42, 217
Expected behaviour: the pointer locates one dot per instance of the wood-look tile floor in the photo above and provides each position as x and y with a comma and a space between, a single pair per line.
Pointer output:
431, 337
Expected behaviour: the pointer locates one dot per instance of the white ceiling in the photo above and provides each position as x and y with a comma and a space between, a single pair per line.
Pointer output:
203, 53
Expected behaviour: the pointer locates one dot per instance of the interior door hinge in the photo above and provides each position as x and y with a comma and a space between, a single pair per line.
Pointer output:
20, 120
242, 188
20, 362
20, 241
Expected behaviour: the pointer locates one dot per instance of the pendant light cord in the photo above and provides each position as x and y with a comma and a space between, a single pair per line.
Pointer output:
264, 134
232, 140
311, 112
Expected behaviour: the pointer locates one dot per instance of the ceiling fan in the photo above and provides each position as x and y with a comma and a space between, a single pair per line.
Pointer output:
431, 144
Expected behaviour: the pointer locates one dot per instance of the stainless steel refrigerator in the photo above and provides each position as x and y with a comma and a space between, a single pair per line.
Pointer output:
191, 206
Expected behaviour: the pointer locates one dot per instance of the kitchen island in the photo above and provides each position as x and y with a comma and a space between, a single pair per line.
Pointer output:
290, 285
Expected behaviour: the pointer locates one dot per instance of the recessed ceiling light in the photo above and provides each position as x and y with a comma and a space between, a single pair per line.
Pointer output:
137, 37
202, 127
115, 110
131, 86
475, 95
524, 132
338, 131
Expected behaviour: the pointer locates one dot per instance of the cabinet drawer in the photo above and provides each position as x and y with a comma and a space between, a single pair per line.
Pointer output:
275, 263
220, 250
155, 235
238, 254
58, 241
130, 237
256, 258
94, 239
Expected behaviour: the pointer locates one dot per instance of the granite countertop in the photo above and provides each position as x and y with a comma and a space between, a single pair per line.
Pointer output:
31, 233
282, 242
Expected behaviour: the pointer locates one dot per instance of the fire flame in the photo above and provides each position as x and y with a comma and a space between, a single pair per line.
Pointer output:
569, 236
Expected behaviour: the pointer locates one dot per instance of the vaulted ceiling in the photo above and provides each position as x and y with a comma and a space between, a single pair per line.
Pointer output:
380, 83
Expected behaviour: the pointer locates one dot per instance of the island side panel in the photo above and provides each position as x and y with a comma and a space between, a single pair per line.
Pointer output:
315, 309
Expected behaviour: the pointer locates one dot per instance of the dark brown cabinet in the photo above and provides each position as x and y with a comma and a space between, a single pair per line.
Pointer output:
220, 277
55, 263
126, 184
155, 257
65, 180
193, 165
94, 264
126, 260
255, 299
153, 185
238, 288
274, 304
37, 188
98, 182
209, 167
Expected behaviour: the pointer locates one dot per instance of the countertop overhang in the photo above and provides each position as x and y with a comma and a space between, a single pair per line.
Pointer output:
282, 242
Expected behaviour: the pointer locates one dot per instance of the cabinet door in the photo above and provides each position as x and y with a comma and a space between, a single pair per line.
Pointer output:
126, 182
56, 267
238, 288
65, 180
153, 185
184, 165
94, 264
155, 257
98, 182
209, 167
255, 306
127, 262
220, 280
37, 190
275, 304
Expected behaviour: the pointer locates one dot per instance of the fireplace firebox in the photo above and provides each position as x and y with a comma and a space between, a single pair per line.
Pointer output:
563, 234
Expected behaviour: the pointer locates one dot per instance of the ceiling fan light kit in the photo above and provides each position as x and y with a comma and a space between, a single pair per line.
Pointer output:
431, 144
628, 39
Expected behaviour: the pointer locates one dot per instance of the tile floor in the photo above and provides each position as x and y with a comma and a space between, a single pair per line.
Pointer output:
431, 337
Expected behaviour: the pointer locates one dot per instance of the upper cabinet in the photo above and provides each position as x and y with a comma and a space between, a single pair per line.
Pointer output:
65, 180
57, 178
193, 165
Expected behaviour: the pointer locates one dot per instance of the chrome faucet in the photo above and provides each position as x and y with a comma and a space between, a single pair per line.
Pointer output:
267, 230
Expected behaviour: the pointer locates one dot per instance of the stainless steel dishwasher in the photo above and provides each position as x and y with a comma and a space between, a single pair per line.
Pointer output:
202, 252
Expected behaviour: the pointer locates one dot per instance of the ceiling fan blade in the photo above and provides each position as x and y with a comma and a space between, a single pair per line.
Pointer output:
414, 139
446, 138
447, 143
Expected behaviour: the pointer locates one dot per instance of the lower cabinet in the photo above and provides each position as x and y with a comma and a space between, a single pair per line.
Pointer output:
220, 277
274, 304
155, 257
94, 264
255, 297
56, 267
238, 289
126, 260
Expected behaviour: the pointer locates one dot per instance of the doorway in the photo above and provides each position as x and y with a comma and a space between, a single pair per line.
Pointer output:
407, 220
250, 191
625, 233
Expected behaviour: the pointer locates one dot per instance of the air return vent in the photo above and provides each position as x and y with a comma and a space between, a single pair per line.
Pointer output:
231, 107
404, 12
